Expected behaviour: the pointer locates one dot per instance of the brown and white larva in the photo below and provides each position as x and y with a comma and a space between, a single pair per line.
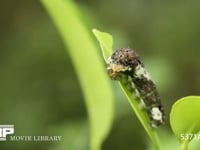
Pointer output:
126, 63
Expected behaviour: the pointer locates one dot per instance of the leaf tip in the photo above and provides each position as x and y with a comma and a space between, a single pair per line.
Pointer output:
94, 31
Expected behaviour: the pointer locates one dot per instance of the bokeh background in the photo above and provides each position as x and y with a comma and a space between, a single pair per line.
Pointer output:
39, 90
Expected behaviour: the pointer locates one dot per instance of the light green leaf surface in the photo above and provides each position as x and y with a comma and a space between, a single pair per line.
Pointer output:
88, 66
185, 119
105, 39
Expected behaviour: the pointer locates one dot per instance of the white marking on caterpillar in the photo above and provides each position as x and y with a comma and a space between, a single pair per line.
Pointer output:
156, 113
141, 72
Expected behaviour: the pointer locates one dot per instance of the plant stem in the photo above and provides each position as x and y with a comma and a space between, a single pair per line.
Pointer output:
184, 145
142, 118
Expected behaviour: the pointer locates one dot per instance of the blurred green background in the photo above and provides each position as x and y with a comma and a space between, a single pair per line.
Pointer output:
39, 90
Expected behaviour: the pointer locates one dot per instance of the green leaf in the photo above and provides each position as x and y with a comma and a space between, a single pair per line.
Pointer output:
106, 42
185, 119
105, 39
88, 65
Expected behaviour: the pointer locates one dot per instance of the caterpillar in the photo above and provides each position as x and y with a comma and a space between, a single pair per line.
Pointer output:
126, 64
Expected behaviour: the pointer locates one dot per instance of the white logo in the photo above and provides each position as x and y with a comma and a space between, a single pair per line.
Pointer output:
5, 130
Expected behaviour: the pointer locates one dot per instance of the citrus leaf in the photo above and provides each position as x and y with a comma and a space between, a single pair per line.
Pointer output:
106, 43
185, 118
88, 66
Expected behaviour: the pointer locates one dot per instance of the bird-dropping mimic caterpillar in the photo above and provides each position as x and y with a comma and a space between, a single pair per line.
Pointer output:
126, 63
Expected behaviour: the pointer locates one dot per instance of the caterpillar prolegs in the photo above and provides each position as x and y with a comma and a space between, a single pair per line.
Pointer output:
126, 64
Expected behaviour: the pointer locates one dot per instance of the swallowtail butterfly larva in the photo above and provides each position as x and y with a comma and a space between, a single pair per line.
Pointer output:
125, 64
